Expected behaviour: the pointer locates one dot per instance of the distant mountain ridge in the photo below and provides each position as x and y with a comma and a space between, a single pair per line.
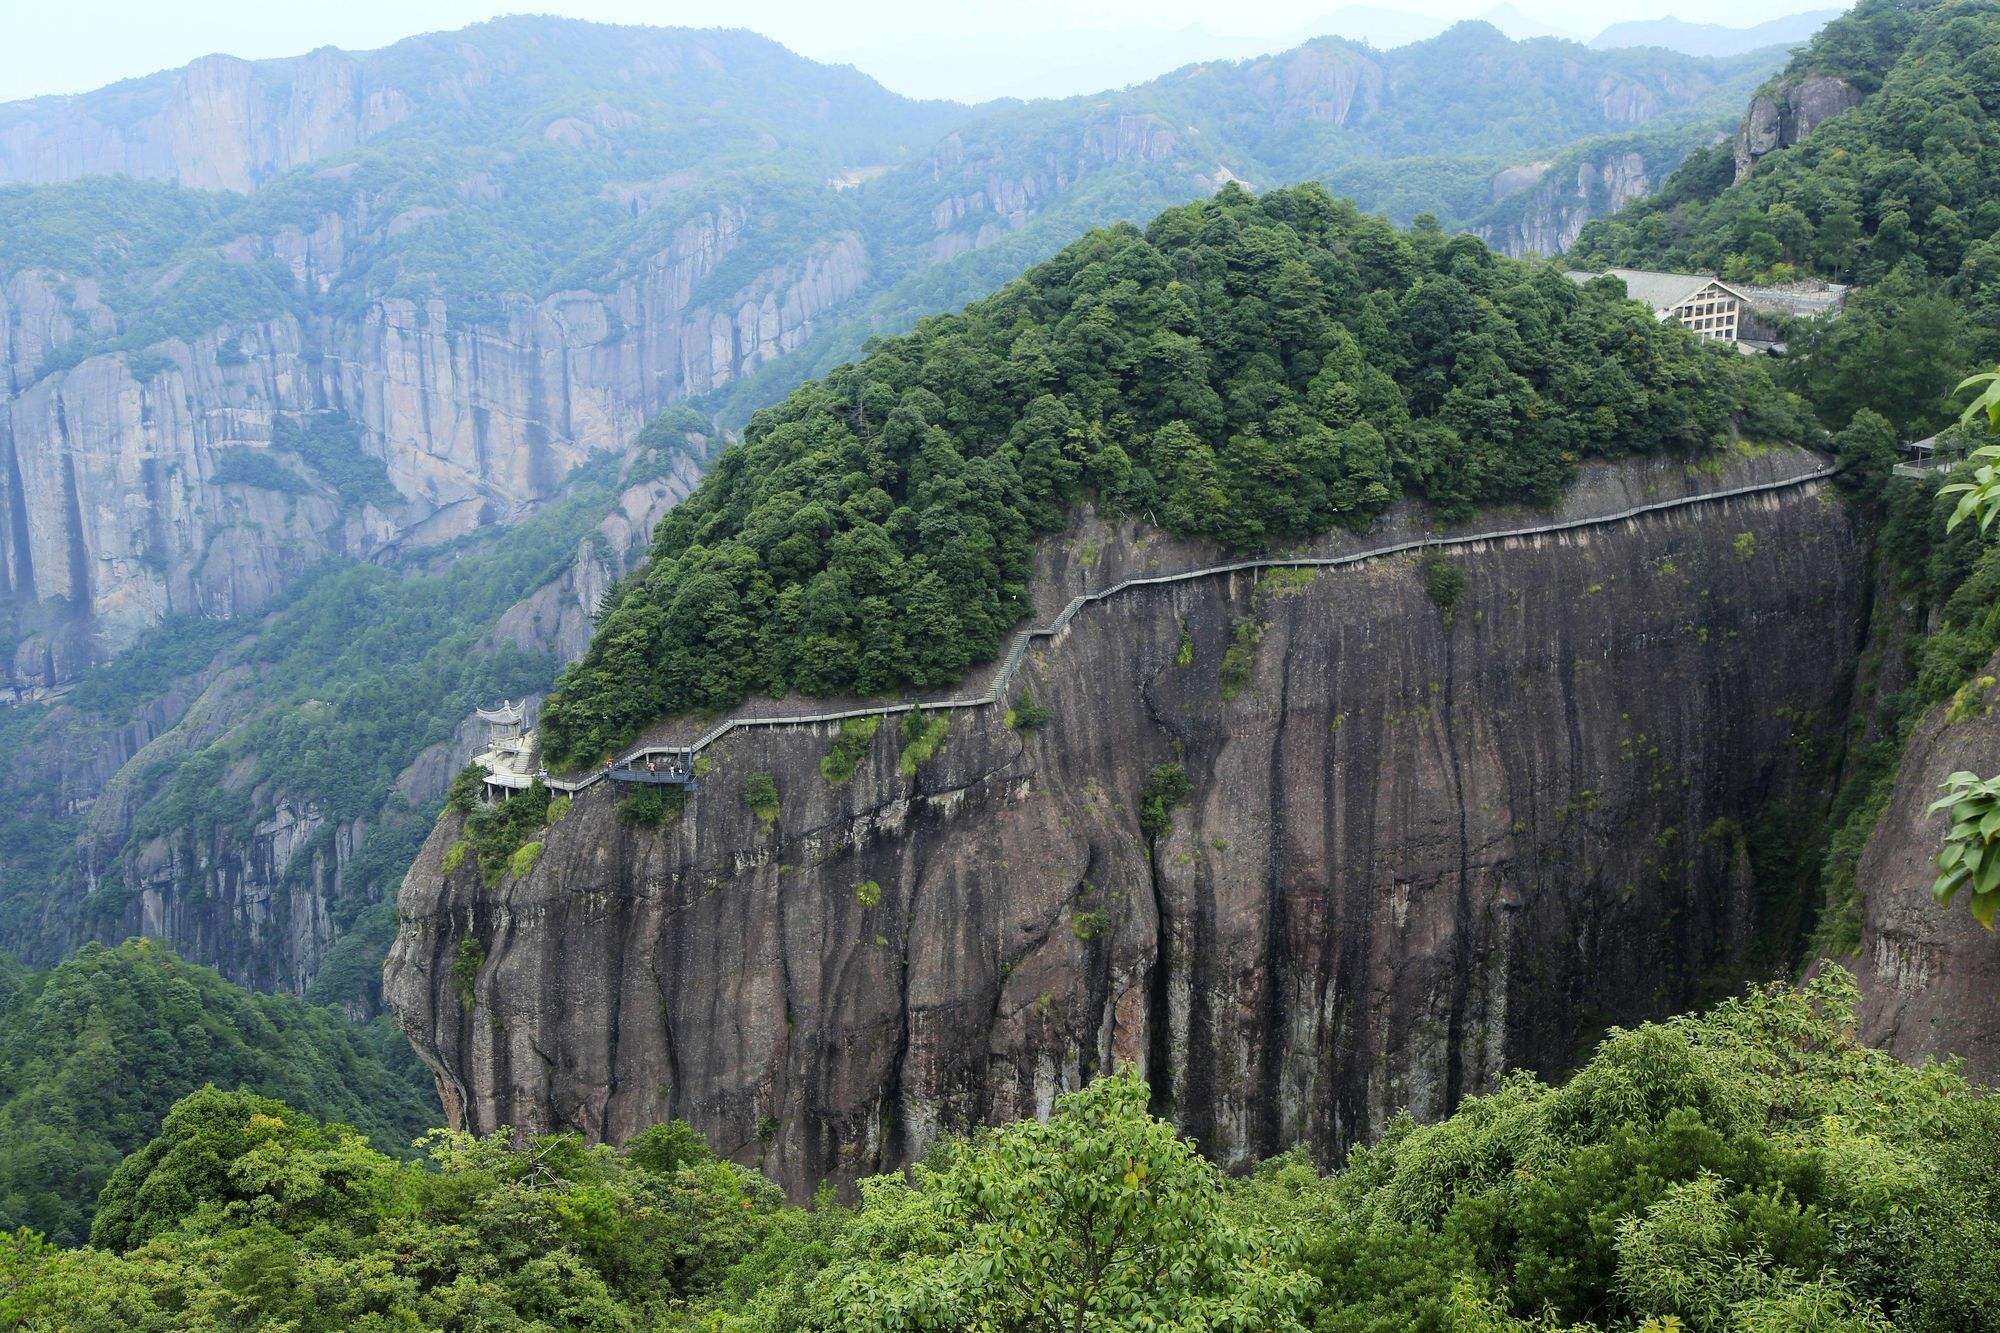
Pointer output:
1713, 39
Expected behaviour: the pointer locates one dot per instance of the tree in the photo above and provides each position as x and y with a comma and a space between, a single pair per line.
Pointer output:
1867, 452
1102, 1218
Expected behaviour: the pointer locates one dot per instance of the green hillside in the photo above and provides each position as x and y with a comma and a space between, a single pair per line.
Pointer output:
94, 1052
1900, 195
1752, 1169
1246, 370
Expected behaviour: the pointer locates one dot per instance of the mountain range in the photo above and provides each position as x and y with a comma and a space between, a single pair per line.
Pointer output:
279, 335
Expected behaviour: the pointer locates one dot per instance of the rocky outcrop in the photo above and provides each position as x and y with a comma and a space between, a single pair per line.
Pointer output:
218, 124
259, 902
1420, 846
1545, 206
1930, 976
118, 509
1781, 116
119, 506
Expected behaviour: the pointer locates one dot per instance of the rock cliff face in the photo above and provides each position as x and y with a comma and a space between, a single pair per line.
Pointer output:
1786, 114
218, 124
118, 509
258, 906
1420, 846
1547, 205
1930, 975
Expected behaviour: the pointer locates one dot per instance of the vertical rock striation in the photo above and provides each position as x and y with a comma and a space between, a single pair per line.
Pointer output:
1930, 976
1781, 116
1422, 845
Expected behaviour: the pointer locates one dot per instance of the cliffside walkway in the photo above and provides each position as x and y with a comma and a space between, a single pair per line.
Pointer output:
681, 757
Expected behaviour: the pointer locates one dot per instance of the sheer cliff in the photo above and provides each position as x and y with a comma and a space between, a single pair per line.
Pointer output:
1930, 975
251, 792
1414, 820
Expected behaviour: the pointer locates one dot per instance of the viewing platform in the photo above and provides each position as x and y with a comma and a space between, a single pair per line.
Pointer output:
1927, 458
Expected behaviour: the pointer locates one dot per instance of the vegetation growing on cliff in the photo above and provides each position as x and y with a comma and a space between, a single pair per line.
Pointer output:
1752, 1169
95, 1051
1246, 370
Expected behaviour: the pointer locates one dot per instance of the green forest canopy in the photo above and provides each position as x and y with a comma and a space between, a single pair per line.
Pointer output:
1247, 370
95, 1051
1902, 195
1752, 1169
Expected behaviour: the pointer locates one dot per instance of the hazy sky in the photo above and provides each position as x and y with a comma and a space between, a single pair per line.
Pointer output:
921, 47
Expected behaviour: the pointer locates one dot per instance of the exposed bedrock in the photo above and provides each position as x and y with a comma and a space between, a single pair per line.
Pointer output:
1420, 848
123, 500
1787, 112
1930, 976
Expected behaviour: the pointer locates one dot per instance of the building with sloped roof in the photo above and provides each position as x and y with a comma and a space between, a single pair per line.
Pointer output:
1702, 302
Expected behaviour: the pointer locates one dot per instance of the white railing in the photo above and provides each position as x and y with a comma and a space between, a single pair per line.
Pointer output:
1004, 678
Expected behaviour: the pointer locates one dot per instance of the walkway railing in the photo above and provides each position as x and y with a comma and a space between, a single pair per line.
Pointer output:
1004, 678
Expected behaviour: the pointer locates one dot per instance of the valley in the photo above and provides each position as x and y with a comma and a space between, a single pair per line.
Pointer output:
649, 685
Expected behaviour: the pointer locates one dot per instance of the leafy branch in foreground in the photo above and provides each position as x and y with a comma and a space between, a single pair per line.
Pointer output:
1979, 497
1971, 855
1970, 858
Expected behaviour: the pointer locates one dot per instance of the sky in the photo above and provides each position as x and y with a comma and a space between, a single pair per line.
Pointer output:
969, 50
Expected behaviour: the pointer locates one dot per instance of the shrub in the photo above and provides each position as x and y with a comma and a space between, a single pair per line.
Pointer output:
868, 893
652, 805
1286, 582
466, 786
1166, 787
256, 469
498, 831
465, 967
760, 793
1088, 925
1026, 714
524, 858
1240, 659
454, 856
856, 734
921, 738
1444, 582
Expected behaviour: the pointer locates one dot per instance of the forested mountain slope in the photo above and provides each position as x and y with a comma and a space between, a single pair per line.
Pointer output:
95, 1051
1247, 370
1900, 192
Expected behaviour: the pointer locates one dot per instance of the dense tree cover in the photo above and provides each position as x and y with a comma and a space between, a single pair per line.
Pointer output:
94, 1052
1753, 1169
1248, 370
1901, 195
